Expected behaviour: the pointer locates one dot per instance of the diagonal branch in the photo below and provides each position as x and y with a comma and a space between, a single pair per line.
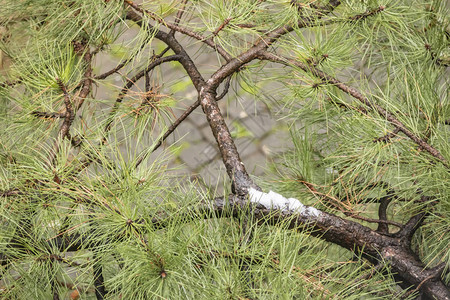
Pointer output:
207, 90
180, 119
179, 15
65, 126
175, 27
264, 55
132, 81
348, 234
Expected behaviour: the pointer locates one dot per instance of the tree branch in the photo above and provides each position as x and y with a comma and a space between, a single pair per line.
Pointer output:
131, 82
384, 203
208, 41
264, 55
348, 234
65, 126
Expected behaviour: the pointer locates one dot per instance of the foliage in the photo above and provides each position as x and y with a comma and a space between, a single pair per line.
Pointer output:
88, 206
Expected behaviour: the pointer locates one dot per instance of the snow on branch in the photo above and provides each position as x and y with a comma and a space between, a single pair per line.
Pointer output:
272, 200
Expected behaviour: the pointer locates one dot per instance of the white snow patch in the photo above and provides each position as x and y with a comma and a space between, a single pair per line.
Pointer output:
277, 201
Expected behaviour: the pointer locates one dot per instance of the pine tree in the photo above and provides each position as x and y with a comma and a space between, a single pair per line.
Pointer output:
361, 207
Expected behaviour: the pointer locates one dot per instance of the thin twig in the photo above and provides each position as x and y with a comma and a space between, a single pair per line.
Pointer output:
370, 220
48, 115
9, 193
359, 96
180, 119
131, 82
367, 14
209, 41
387, 137
222, 26
122, 94
225, 89
122, 64
179, 16
87, 82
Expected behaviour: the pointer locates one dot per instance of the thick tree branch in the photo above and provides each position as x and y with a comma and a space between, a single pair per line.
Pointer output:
352, 236
345, 233
207, 90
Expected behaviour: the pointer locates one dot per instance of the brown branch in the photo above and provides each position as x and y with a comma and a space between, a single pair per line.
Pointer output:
382, 214
376, 247
264, 55
48, 115
179, 16
87, 82
208, 41
230, 156
350, 235
114, 70
347, 211
412, 225
351, 19
170, 130
207, 90
222, 26
387, 137
180, 119
68, 115
132, 81
380, 222
367, 14
122, 94
122, 64
65, 126
9, 193
225, 89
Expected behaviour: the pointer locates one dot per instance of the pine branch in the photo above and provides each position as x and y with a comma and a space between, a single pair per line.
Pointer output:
347, 234
382, 214
132, 81
180, 119
207, 90
48, 115
179, 15
378, 246
125, 62
357, 95
65, 127
99, 281
122, 94
208, 41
